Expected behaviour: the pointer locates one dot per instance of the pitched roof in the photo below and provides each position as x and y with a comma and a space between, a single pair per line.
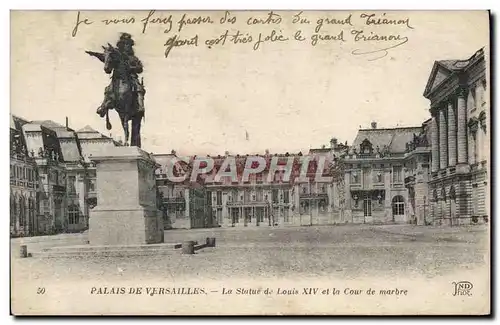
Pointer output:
17, 122
394, 138
70, 151
49, 124
87, 129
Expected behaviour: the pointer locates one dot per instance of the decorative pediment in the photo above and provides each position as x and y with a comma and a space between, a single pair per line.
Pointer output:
438, 74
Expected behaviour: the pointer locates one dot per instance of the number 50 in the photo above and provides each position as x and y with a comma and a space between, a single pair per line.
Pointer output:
40, 291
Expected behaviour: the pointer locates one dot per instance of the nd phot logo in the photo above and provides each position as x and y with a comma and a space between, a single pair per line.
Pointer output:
462, 288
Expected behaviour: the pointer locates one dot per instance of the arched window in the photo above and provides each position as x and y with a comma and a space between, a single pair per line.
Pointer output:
398, 206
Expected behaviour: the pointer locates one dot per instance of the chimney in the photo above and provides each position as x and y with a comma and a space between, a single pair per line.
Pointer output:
374, 125
67, 123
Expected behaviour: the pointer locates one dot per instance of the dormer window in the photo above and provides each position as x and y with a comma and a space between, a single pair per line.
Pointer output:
366, 147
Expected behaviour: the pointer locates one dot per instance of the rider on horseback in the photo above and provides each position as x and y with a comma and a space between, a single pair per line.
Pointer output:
133, 67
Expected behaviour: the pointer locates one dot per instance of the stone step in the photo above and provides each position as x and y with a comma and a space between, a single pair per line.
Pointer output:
109, 253
89, 248
111, 250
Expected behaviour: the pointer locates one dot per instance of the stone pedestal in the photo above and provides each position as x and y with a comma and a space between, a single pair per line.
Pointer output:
126, 211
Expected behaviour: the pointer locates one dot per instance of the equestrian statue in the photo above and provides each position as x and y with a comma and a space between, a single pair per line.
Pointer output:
124, 93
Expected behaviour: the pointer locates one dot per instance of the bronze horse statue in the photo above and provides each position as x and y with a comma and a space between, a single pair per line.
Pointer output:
122, 94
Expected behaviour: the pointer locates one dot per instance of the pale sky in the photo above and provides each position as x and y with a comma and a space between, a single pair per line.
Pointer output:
287, 96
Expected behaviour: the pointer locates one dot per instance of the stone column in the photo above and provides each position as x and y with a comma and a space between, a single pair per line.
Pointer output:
472, 158
452, 135
462, 127
443, 141
435, 144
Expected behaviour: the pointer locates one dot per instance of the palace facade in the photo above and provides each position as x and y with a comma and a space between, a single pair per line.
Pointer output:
256, 201
458, 184
24, 185
52, 180
375, 174
435, 173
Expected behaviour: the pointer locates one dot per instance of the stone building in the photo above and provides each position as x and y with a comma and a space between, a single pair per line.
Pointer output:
459, 105
417, 175
254, 202
75, 171
375, 176
43, 143
24, 183
52, 179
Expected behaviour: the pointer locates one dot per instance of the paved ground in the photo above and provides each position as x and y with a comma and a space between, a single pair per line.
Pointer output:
347, 251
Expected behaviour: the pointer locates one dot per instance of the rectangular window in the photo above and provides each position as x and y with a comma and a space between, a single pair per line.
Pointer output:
71, 184
219, 198
259, 195
397, 176
45, 206
286, 196
367, 207
366, 177
73, 215
275, 196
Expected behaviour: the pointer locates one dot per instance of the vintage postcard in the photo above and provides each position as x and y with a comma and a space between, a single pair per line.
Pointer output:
250, 162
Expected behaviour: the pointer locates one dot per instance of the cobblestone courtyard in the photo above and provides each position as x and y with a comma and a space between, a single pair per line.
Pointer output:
345, 251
